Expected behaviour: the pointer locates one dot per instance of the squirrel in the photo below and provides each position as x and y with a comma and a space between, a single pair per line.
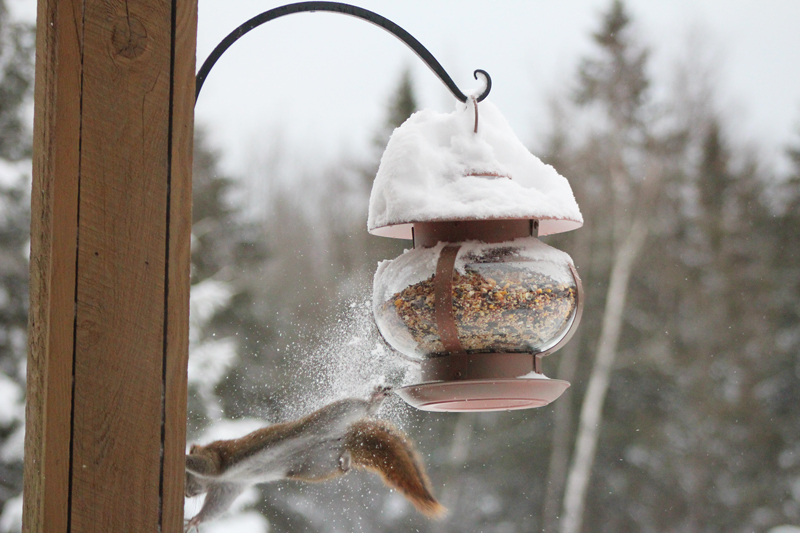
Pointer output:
320, 446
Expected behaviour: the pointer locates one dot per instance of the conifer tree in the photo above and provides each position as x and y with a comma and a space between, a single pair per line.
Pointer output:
223, 246
402, 105
16, 77
14, 235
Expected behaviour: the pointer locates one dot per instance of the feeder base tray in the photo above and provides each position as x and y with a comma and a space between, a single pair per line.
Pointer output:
482, 394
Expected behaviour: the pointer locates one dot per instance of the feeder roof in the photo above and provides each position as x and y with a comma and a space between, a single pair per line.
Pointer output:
436, 168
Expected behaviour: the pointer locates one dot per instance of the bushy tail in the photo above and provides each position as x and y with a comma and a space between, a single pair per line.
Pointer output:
378, 446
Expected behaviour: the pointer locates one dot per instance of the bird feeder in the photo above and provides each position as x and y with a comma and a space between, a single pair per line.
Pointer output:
479, 300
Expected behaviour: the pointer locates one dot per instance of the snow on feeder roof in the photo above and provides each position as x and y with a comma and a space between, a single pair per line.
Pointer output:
437, 167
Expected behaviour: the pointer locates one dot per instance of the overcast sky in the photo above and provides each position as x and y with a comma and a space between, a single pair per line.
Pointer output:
320, 81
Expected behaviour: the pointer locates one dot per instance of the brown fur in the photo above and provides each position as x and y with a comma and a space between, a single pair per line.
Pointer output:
378, 446
228, 452
225, 453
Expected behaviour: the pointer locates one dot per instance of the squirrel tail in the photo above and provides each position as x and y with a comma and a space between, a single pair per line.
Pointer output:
380, 447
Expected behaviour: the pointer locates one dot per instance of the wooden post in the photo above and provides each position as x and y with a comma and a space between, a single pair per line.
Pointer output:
110, 234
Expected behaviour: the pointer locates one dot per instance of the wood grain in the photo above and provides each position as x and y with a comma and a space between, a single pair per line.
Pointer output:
54, 209
180, 228
110, 265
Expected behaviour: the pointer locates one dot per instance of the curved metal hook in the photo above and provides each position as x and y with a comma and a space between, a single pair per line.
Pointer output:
487, 79
345, 9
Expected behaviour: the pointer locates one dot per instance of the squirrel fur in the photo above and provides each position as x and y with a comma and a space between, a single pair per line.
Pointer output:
320, 446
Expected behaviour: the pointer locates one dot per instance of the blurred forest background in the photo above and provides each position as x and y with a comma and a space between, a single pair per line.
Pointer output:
683, 410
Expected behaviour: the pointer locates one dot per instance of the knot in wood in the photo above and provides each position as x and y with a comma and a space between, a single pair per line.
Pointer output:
129, 37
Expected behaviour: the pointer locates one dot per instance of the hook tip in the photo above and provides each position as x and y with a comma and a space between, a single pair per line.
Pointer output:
488, 80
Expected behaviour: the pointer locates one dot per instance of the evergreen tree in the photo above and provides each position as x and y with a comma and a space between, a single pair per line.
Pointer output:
16, 77
616, 78
717, 459
14, 234
402, 104
223, 245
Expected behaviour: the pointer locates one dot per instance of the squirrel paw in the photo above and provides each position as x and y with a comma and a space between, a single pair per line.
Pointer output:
193, 524
379, 393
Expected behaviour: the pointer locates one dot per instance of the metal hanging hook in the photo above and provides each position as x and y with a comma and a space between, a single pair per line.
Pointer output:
345, 9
